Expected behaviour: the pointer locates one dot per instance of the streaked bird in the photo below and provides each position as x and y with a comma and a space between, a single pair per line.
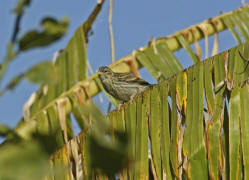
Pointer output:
122, 86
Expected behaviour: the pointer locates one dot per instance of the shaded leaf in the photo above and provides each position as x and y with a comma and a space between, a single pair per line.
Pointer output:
52, 26
106, 155
23, 160
15, 81
9, 57
19, 9
47, 142
52, 30
4, 130
109, 157
25, 157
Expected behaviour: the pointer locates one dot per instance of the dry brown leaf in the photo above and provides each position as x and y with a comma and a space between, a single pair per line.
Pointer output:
203, 28
196, 44
132, 64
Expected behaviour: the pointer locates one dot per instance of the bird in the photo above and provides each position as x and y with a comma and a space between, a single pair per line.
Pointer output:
122, 86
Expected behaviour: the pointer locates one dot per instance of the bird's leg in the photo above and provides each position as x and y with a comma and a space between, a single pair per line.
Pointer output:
120, 105
130, 101
131, 98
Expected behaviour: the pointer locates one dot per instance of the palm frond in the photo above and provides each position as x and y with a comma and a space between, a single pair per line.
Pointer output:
185, 139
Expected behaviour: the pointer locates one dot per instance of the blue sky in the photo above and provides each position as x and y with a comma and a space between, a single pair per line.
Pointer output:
135, 22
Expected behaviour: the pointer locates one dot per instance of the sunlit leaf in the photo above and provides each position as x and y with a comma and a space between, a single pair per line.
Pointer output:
44, 72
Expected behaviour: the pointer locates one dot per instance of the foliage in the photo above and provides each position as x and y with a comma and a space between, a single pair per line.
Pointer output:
183, 137
26, 159
52, 31
191, 125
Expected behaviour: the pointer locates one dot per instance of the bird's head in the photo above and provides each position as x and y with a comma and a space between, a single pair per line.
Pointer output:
105, 72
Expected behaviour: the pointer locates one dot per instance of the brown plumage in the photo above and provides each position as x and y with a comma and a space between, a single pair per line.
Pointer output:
122, 86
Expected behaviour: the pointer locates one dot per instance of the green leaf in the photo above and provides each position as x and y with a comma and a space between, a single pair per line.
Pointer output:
208, 85
52, 26
25, 160
234, 134
28, 159
169, 57
34, 38
158, 61
187, 47
244, 104
230, 26
165, 130
142, 105
54, 125
130, 118
10, 55
215, 124
4, 130
52, 31
19, 9
85, 158
238, 23
15, 81
193, 144
43, 72
155, 130
47, 141
181, 90
147, 63
109, 157
174, 127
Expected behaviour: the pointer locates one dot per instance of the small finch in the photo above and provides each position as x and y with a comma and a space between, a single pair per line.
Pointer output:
122, 86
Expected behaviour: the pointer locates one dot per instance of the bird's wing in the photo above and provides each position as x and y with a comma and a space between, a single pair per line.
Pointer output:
123, 76
131, 78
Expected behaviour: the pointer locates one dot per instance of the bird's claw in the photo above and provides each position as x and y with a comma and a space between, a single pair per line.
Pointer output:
131, 98
119, 106
122, 104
